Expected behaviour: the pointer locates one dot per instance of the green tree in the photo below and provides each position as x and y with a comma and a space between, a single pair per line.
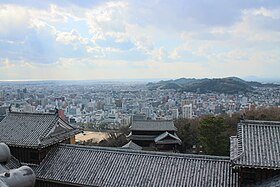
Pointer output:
213, 136
114, 140
267, 114
124, 130
231, 122
187, 131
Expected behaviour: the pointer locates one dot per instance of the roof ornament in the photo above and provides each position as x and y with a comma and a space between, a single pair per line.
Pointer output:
56, 110
39, 143
5, 153
23, 176
10, 108
7, 174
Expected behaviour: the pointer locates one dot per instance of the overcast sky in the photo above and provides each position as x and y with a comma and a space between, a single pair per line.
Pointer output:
66, 40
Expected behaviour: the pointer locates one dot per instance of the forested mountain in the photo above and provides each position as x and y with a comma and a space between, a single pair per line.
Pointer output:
229, 85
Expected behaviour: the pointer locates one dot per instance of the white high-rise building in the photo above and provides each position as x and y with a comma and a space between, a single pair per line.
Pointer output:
146, 111
2, 94
29, 108
175, 113
187, 111
244, 100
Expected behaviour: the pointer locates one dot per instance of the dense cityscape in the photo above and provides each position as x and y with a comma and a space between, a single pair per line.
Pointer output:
110, 105
150, 93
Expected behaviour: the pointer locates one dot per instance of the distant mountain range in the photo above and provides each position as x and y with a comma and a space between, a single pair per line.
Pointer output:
228, 85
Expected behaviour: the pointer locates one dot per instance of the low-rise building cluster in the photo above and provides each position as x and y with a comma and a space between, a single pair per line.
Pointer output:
110, 105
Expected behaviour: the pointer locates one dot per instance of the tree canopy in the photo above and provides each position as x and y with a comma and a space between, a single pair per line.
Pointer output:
213, 136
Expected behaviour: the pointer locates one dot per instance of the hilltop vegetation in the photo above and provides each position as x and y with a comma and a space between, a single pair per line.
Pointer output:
213, 133
229, 85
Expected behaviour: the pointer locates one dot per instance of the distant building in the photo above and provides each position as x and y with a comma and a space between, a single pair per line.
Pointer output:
232, 106
137, 117
147, 111
3, 112
30, 136
125, 120
29, 108
186, 102
187, 111
2, 95
72, 111
244, 101
154, 134
175, 113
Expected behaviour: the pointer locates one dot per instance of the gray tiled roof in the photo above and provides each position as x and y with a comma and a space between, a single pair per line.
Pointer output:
132, 145
13, 163
34, 130
142, 137
167, 138
257, 144
1, 118
153, 125
98, 166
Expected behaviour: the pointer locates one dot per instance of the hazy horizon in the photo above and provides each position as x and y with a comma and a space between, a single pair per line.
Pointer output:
144, 80
117, 40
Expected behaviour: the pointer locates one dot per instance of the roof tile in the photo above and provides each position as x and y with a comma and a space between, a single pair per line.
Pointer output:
31, 129
257, 144
153, 125
97, 166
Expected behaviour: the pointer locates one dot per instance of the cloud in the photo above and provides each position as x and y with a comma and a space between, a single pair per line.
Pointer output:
160, 54
107, 20
12, 20
5, 63
138, 38
70, 37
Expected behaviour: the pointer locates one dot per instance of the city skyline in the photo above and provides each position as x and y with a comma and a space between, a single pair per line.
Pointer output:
70, 40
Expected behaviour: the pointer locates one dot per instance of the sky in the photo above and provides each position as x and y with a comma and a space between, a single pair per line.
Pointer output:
132, 39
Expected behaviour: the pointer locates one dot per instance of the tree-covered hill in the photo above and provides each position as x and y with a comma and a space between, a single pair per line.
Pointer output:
228, 85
